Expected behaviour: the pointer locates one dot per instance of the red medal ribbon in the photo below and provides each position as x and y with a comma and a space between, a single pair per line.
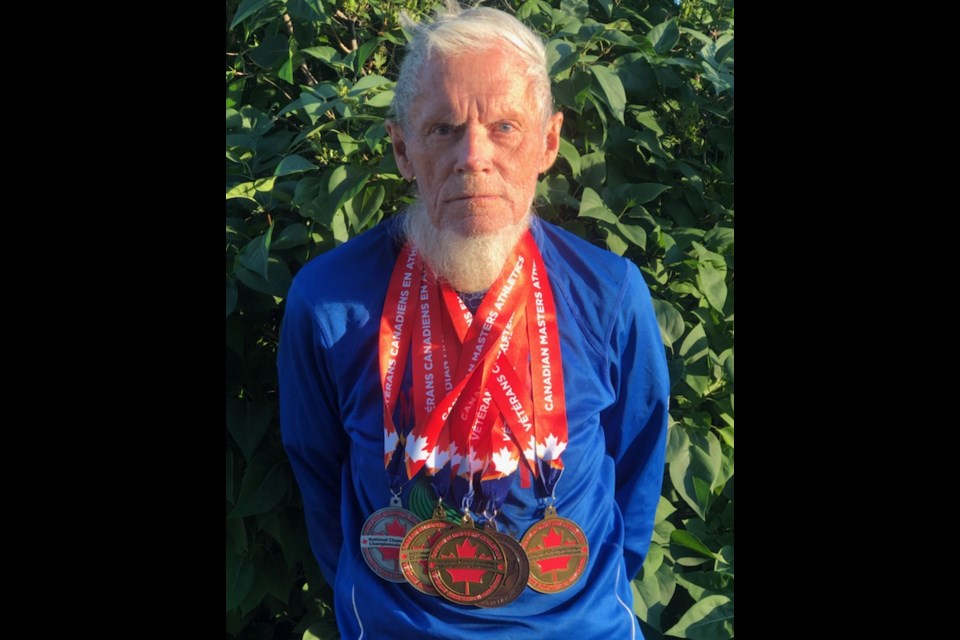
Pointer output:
472, 403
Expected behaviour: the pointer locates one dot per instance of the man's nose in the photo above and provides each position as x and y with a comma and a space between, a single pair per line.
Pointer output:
474, 150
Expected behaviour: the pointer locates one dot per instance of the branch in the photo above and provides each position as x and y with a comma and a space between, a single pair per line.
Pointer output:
311, 81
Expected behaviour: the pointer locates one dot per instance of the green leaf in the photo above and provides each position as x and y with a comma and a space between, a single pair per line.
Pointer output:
708, 619
728, 366
306, 10
695, 345
724, 51
239, 579
575, 8
633, 233
286, 69
664, 36
615, 243
646, 598
321, 53
704, 583
678, 441
725, 560
643, 192
719, 239
246, 8
367, 82
273, 50
670, 321
527, 9
712, 271
593, 170
373, 135
561, 55
591, 206
260, 492
689, 541
647, 118
231, 295
343, 183
249, 189
248, 422
705, 39
293, 235
293, 164
612, 87
254, 256
379, 100
694, 469
369, 203
668, 582
339, 227
569, 153
276, 284
727, 434
363, 52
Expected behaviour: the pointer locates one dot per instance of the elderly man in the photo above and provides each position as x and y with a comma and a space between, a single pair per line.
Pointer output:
474, 401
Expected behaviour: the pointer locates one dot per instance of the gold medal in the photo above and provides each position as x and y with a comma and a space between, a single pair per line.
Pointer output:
518, 572
380, 540
557, 550
467, 565
415, 550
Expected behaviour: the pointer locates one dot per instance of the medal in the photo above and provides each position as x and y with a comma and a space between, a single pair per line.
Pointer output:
557, 550
518, 572
467, 565
416, 547
381, 536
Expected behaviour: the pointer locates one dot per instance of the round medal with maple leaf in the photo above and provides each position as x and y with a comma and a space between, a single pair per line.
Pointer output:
558, 552
467, 565
415, 552
380, 541
518, 572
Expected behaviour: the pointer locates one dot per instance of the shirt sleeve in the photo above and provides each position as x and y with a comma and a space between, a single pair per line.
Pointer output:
636, 425
310, 425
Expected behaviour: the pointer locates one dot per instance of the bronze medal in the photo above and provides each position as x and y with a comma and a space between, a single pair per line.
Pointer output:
557, 550
415, 550
467, 565
380, 540
518, 572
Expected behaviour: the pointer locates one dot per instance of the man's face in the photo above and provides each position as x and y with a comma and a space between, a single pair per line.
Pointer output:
475, 141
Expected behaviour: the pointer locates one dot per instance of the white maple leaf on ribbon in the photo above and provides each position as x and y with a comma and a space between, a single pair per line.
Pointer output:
504, 462
437, 458
417, 448
530, 452
470, 463
455, 456
552, 448
390, 440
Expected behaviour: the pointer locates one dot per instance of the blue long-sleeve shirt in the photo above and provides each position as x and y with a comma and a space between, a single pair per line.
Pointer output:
616, 382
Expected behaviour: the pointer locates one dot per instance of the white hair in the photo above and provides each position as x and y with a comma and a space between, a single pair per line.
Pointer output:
456, 30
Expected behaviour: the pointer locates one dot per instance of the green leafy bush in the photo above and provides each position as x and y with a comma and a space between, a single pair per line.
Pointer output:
645, 169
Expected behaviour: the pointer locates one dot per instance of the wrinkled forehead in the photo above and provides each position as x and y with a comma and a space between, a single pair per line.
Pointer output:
487, 80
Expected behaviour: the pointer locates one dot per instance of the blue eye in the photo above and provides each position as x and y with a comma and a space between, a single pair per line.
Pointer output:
505, 127
443, 129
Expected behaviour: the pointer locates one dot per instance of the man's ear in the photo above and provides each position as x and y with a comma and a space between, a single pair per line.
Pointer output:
400, 149
553, 141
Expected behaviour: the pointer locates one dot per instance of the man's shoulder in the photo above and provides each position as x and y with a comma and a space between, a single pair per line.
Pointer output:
354, 265
579, 263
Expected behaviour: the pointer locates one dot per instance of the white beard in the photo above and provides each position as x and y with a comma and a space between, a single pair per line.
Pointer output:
469, 263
